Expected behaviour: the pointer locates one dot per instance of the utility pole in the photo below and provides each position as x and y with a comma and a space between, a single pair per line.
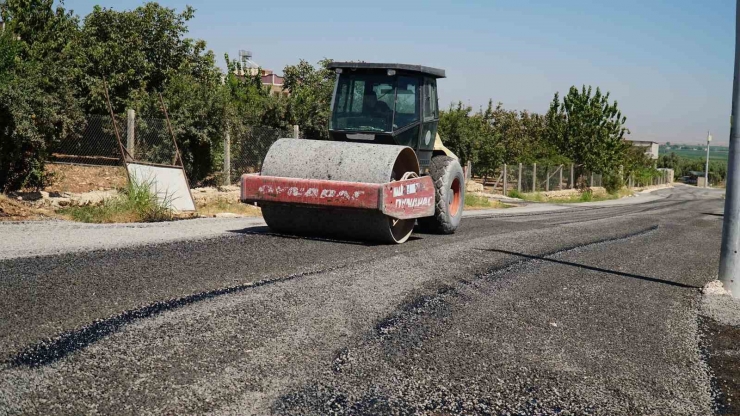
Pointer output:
729, 262
706, 167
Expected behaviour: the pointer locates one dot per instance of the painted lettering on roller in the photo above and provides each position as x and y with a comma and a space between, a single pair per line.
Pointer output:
295, 191
414, 202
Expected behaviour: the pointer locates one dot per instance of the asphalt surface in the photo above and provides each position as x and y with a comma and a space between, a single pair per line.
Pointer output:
589, 310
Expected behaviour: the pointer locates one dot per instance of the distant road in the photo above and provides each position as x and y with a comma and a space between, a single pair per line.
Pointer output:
590, 309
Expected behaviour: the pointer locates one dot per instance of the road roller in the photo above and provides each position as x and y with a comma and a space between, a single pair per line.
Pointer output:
383, 171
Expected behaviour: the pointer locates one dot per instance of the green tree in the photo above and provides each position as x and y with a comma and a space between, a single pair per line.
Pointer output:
587, 128
38, 106
310, 97
462, 132
522, 136
670, 161
136, 52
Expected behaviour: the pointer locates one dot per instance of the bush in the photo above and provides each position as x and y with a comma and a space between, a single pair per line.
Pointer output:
613, 182
515, 194
587, 196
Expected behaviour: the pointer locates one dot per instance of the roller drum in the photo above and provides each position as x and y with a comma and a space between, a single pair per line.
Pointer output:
338, 161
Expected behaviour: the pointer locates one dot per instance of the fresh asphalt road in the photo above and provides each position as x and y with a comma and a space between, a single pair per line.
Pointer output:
592, 309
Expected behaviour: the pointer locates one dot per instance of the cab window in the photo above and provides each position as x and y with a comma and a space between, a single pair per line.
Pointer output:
407, 102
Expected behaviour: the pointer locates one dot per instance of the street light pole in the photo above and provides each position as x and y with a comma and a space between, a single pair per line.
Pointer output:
706, 167
729, 263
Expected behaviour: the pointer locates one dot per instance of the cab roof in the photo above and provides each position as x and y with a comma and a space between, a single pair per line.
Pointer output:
426, 70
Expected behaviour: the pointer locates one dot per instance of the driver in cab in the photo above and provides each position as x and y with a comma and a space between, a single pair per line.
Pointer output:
377, 108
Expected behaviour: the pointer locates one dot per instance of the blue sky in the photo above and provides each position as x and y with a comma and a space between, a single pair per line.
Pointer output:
667, 63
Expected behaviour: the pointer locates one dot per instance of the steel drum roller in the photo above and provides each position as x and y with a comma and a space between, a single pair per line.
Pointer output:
337, 161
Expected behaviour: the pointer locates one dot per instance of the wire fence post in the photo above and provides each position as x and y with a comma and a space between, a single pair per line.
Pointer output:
130, 131
534, 177
506, 180
560, 182
227, 157
519, 180
572, 177
296, 131
592, 180
547, 179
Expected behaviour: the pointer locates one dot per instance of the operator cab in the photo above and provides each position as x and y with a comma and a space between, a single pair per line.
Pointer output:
386, 104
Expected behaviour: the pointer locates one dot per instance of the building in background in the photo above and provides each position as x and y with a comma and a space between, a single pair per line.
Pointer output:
652, 149
269, 79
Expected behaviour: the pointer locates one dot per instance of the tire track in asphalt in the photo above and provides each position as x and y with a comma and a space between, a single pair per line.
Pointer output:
420, 303
50, 350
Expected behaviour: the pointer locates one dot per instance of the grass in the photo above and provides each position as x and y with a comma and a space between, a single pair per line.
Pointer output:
586, 196
475, 201
515, 194
481, 202
136, 203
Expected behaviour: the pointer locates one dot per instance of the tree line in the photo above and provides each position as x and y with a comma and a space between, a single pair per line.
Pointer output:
683, 166
584, 127
53, 64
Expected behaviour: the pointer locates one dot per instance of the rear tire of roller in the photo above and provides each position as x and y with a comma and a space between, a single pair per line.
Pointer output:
449, 184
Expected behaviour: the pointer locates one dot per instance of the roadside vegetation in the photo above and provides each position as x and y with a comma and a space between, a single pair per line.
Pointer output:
587, 195
135, 203
585, 127
473, 201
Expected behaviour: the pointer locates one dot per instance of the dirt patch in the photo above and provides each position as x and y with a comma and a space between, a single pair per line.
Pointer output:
218, 202
566, 193
80, 179
721, 345
14, 210
222, 207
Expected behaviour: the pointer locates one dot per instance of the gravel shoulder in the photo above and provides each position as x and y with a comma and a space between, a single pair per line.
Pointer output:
43, 238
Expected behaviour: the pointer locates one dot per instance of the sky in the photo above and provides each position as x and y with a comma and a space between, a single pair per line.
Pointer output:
668, 64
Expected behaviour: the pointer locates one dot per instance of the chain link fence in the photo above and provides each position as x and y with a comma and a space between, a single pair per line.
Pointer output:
148, 141
96, 146
249, 147
151, 142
